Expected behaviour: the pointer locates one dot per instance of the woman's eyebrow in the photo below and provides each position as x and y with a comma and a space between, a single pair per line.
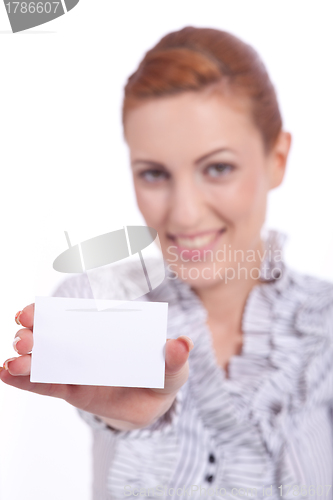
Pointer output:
220, 150
155, 164
148, 162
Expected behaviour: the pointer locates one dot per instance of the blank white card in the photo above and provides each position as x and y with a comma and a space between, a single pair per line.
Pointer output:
121, 345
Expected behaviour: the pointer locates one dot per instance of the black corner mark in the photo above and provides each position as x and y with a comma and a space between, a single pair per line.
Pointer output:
23, 15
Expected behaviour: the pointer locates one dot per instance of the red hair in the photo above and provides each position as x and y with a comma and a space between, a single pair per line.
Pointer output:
196, 58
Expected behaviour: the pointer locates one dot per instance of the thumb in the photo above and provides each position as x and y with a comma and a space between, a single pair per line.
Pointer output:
176, 354
176, 366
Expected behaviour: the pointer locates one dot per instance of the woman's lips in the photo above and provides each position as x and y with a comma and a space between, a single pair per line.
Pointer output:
194, 247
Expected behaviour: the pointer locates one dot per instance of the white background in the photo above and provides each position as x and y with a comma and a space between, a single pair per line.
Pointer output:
64, 166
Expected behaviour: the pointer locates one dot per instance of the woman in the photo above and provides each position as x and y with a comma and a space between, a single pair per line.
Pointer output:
249, 411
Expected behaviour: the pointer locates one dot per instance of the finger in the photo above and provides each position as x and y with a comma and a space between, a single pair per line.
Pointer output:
23, 382
19, 366
26, 316
23, 341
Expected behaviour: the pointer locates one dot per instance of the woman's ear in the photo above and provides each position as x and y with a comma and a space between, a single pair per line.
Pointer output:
279, 157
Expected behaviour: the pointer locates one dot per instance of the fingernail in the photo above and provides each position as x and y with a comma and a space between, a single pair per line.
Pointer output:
16, 340
17, 318
5, 365
189, 342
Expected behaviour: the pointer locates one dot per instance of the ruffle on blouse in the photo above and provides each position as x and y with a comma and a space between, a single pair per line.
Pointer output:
298, 374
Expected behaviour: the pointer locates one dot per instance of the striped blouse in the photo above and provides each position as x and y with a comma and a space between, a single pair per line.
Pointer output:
265, 430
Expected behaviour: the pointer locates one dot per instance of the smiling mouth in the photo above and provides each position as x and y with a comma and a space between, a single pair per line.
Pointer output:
197, 242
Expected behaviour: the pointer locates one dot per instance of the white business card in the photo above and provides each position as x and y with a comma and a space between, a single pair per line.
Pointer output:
121, 345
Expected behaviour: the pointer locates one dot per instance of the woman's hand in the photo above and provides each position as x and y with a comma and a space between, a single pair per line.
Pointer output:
125, 408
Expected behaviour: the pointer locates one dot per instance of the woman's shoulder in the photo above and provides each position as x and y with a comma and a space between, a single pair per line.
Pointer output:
296, 289
313, 299
315, 291
310, 284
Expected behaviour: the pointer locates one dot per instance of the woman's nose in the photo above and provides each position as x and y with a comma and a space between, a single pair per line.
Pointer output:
187, 205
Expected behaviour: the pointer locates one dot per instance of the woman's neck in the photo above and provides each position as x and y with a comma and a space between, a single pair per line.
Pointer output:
225, 302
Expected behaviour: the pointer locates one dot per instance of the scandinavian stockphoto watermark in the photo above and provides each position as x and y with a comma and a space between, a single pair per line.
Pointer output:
107, 256
238, 264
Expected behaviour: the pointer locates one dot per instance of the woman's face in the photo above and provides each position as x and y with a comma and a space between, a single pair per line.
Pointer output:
201, 179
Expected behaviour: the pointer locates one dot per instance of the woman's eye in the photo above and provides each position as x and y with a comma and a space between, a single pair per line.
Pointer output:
219, 169
153, 175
